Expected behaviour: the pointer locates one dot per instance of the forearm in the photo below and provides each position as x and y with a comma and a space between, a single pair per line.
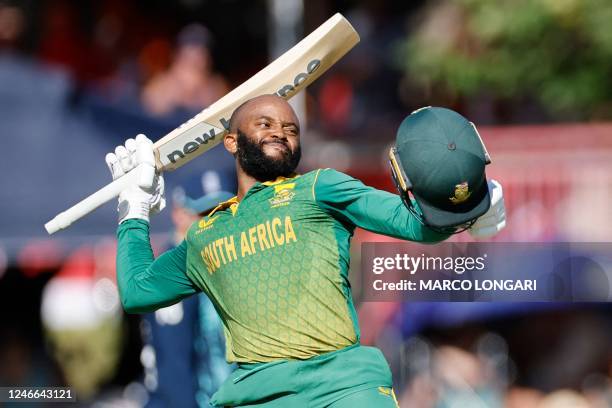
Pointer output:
374, 210
146, 284
392, 218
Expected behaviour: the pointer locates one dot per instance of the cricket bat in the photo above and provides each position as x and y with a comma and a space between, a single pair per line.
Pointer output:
285, 76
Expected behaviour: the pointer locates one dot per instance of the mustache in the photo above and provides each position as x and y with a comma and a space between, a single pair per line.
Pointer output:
275, 140
282, 147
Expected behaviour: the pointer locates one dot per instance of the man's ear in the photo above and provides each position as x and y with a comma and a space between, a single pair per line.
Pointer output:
230, 142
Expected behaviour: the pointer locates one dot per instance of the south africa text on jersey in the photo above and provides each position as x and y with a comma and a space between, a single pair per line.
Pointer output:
261, 237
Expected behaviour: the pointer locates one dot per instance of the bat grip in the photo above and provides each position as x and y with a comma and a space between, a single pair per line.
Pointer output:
64, 219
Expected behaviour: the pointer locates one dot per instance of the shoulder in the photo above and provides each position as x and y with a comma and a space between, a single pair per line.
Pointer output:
198, 227
191, 232
321, 176
330, 177
330, 182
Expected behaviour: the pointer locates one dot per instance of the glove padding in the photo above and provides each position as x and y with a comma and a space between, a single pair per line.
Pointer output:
494, 220
146, 195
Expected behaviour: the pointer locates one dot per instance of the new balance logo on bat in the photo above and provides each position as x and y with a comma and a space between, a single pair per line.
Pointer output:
299, 78
284, 91
195, 144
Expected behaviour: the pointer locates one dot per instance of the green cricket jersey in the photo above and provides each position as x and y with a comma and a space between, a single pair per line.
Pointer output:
275, 264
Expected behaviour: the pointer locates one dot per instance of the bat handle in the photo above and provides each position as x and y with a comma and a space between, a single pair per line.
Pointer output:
64, 219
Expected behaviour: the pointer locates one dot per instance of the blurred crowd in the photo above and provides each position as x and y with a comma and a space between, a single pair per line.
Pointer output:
495, 355
78, 77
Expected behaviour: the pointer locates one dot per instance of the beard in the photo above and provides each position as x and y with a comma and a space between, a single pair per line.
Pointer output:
257, 164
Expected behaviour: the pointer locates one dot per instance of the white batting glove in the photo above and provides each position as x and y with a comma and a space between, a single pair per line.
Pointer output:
146, 195
494, 220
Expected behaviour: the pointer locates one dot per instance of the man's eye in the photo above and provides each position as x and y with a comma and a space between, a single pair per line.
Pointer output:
264, 125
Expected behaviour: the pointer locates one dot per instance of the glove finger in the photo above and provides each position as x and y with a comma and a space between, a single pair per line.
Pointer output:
146, 177
113, 165
130, 145
496, 192
496, 214
144, 155
499, 203
144, 150
496, 202
143, 138
124, 158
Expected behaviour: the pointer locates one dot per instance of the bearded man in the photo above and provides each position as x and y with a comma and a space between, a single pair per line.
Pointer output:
274, 261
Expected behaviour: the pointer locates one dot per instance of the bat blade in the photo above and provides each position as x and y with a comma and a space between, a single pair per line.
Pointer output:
287, 75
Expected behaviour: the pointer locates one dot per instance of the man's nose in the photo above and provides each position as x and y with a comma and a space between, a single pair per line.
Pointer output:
278, 132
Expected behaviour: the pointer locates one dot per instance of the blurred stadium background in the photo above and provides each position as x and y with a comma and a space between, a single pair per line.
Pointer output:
77, 78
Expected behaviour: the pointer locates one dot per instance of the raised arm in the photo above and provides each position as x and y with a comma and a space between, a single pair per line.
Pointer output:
375, 210
146, 284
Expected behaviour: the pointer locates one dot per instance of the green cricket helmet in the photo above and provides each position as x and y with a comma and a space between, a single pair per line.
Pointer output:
440, 159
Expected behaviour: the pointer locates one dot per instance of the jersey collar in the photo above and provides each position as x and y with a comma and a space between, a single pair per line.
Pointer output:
261, 185
223, 205
233, 202
280, 179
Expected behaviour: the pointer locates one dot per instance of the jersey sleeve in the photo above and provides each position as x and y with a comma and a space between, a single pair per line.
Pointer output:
146, 284
351, 201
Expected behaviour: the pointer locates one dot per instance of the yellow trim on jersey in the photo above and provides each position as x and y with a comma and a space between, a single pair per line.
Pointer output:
314, 197
394, 398
233, 202
280, 179
229, 203
280, 187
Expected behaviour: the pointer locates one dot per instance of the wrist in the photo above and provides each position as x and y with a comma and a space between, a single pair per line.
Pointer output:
134, 210
133, 224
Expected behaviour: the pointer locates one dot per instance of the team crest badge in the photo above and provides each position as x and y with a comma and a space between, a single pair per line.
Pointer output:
462, 193
283, 194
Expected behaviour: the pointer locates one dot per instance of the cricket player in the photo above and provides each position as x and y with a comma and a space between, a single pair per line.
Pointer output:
274, 261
